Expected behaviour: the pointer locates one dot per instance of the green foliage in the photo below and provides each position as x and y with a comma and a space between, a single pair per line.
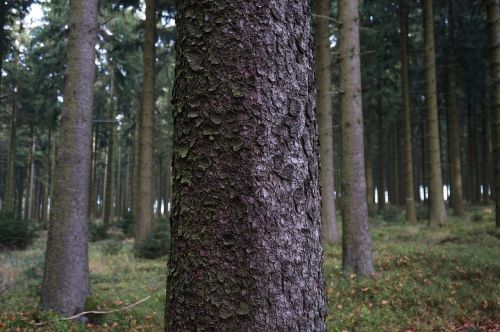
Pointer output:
392, 213
98, 232
126, 224
112, 247
15, 233
422, 212
158, 243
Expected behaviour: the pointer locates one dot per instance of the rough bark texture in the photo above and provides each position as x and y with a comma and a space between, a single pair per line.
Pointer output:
356, 240
111, 161
66, 276
456, 199
437, 211
325, 120
405, 85
494, 62
246, 226
144, 216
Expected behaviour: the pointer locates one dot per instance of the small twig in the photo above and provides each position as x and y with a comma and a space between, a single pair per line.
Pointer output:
95, 312
327, 17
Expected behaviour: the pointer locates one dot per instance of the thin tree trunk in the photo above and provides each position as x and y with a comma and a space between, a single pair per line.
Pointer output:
325, 121
11, 166
30, 180
66, 285
381, 158
356, 239
370, 190
246, 222
111, 158
411, 215
494, 63
144, 217
437, 211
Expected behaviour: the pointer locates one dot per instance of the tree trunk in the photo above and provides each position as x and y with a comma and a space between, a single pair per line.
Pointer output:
11, 165
144, 216
325, 121
30, 179
437, 211
356, 240
246, 227
370, 192
494, 63
411, 215
66, 284
456, 201
111, 158
381, 158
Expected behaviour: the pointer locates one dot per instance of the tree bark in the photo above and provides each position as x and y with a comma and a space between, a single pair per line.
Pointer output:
381, 157
144, 216
456, 199
356, 240
494, 64
246, 227
411, 215
65, 284
325, 121
111, 158
437, 211
11, 164
370, 192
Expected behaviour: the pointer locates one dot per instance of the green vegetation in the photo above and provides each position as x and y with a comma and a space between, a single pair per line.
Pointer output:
426, 280
15, 233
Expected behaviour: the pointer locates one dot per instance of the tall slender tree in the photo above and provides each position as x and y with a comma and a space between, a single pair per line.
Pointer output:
437, 211
493, 16
109, 195
144, 215
405, 86
456, 201
66, 284
325, 120
246, 227
356, 239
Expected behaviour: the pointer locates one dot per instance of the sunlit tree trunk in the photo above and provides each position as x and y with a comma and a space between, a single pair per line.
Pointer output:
411, 215
246, 227
325, 121
66, 285
356, 239
144, 216
494, 62
437, 211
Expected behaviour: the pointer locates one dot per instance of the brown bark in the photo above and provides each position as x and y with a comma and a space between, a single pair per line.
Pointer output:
494, 64
437, 211
30, 198
66, 283
456, 199
411, 215
111, 157
370, 190
144, 216
356, 239
325, 121
246, 227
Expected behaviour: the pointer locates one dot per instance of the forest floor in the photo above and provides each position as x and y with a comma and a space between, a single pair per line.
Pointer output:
444, 279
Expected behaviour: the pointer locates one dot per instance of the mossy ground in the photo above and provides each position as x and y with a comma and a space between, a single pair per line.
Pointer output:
427, 280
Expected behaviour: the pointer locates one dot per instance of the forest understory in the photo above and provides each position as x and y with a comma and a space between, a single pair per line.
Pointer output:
427, 279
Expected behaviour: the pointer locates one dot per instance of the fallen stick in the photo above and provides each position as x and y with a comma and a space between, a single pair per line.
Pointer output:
95, 312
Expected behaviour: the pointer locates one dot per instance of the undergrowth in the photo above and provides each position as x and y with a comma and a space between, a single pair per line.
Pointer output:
426, 280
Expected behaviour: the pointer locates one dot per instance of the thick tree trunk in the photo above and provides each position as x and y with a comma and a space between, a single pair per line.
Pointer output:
456, 201
246, 228
144, 216
494, 62
437, 211
111, 158
411, 215
65, 284
325, 120
356, 240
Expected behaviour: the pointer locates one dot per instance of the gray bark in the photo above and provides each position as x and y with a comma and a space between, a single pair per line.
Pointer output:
356, 240
66, 275
246, 229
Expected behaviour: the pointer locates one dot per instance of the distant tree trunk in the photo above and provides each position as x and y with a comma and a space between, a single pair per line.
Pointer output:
370, 190
30, 179
144, 217
381, 158
3, 14
411, 215
437, 211
66, 284
46, 187
325, 121
356, 240
93, 178
456, 201
246, 227
474, 190
494, 62
111, 157
11, 163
